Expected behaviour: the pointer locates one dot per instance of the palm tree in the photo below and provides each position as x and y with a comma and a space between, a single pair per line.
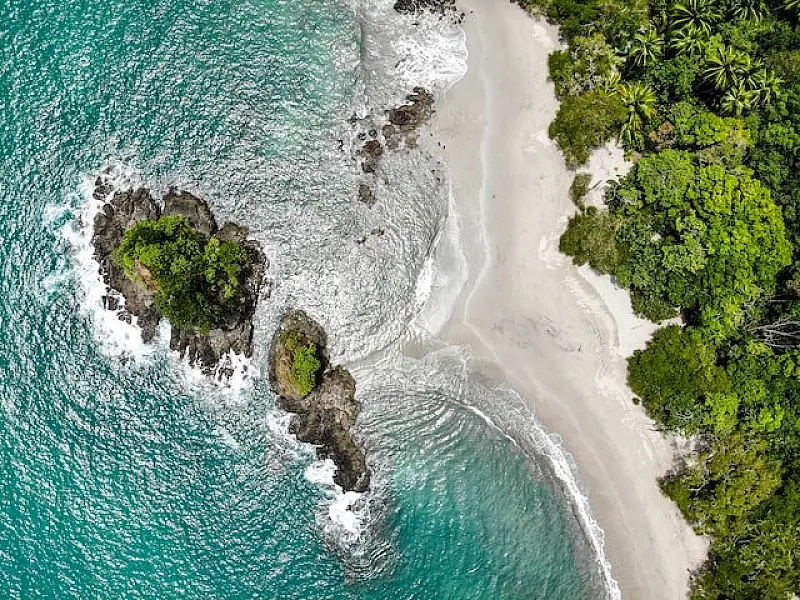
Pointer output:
726, 66
640, 100
764, 84
659, 14
611, 83
750, 10
689, 40
645, 47
738, 99
699, 13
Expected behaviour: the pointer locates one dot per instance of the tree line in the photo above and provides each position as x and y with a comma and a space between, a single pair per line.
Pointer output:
705, 97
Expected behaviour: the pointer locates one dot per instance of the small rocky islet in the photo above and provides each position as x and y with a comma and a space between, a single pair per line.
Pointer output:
324, 415
233, 329
321, 396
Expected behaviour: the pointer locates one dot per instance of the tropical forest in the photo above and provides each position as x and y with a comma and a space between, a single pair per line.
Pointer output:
704, 231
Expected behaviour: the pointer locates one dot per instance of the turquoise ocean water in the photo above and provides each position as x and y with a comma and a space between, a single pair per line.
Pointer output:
124, 475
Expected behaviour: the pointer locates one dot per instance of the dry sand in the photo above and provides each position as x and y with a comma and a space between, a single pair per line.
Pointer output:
559, 334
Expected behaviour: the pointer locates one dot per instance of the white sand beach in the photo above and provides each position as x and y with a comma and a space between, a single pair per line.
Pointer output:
560, 334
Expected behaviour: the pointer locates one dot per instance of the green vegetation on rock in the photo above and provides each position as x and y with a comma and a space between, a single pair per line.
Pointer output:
705, 96
194, 279
304, 363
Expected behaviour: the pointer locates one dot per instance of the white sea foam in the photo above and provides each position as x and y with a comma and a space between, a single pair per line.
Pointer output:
226, 437
424, 283
564, 468
115, 337
73, 222
433, 51
449, 372
233, 376
403, 51
400, 52
523, 425
442, 279
346, 515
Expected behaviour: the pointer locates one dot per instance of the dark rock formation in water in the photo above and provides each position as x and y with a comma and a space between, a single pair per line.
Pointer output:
366, 195
419, 108
403, 124
414, 6
372, 152
325, 416
124, 209
110, 226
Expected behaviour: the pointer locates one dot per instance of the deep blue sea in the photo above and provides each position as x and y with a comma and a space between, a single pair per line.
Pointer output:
126, 475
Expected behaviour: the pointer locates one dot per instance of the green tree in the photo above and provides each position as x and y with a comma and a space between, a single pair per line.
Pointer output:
751, 11
730, 482
697, 128
194, 280
689, 40
673, 79
723, 412
579, 188
640, 100
590, 237
305, 363
698, 236
762, 562
585, 122
768, 385
589, 63
674, 375
764, 85
702, 224
646, 47
725, 66
700, 14
738, 99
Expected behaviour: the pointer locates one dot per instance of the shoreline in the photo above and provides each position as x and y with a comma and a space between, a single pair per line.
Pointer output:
559, 334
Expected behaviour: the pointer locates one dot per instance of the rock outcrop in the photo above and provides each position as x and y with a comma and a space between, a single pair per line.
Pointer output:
419, 108
235, 329
326, 415
402, 127
436, 6
110, 225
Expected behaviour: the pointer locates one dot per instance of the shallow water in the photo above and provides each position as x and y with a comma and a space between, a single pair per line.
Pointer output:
124, 474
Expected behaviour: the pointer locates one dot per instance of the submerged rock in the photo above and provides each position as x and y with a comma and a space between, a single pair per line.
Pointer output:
372, 152
235, 329
326, 415
366, 195
408, 117
403, 124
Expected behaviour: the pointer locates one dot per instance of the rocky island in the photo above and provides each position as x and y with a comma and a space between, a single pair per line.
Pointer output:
321, 396
172, 260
